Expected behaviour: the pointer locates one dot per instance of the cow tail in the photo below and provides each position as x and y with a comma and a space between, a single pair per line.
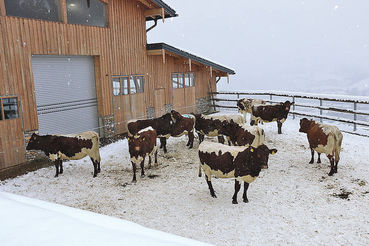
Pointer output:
200, 174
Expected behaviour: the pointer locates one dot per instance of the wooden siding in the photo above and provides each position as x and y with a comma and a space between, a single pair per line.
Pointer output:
119, 49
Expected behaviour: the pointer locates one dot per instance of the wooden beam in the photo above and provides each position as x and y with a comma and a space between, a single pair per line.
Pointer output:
162, 14
63, 8
227, 78
146, 3
155, 52
154, 12
163, 54
2, 8
190, 65
211, 71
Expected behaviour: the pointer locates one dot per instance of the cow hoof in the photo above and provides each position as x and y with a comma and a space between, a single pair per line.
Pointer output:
234, 202
55, 176
331, 173
311, 162
95, 175
213, 196
245, 200
134, 181
319, 161
142, 175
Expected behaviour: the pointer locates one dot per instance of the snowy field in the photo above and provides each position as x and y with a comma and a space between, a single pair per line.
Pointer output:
291, 203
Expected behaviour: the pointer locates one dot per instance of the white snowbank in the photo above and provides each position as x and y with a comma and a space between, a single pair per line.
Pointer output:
292, 202
27, 221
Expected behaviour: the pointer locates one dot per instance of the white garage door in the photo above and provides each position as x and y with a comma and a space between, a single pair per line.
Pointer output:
65, 94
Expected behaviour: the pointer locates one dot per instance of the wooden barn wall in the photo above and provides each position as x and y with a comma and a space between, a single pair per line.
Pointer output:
119, 48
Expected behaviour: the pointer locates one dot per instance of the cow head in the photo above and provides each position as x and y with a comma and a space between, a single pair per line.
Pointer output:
261, 155
240, 104
305, 125
287, 105
175, 115
34, 142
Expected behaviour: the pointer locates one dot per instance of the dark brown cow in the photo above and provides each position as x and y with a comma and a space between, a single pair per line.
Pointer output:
162, 125
205, 125
325, 139
269, 113
240, 162
141, 145
183, 125
68, 147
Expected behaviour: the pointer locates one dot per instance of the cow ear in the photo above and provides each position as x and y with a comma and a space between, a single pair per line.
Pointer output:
273, 151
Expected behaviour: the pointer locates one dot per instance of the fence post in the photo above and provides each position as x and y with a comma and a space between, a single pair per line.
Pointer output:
238, 95
355, 115
293, 107
321, 110
271, 98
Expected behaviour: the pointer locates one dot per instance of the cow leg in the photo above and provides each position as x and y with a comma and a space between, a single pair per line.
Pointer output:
95, 163
60, 166
212, 192
331, 159
245, 187
279, 124
163, 144
142, 168
312, 156
191, 137
57, 168
221, 139
335, 167
156, 157
149, 166
319, 161
237, 187
134, 172
201, 137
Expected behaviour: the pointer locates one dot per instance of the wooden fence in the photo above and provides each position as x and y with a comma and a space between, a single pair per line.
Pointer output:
341, 110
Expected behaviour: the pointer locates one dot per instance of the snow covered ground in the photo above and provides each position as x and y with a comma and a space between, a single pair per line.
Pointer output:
292, 202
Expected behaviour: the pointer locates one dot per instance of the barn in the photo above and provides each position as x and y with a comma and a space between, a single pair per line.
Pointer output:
68, 66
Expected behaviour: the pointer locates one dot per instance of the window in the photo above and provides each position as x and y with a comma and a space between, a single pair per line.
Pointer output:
187, 79
9, 108
116, 86
175, 80
125, 85
192, 79
124, 81
180, 80
36, 9
90, 13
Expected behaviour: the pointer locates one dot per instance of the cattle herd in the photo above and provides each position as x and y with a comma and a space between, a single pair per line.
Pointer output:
244, 156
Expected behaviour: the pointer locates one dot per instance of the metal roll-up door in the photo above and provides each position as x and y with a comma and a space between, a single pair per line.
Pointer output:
65, 94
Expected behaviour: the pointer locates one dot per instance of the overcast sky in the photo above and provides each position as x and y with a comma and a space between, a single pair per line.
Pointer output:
274, 44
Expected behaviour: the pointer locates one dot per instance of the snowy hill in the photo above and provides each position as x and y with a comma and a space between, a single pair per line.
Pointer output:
292, 202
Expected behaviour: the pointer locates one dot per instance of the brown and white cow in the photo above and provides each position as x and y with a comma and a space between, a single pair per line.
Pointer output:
236, 118
325, 139
243, 163
68, 147
244, 105
141, 145
183, 124
270, 113
162, 125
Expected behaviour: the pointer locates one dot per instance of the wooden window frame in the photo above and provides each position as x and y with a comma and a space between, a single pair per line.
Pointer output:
183, 74
2, 108
128, 77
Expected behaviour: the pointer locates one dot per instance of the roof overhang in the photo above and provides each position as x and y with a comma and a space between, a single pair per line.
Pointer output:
163, 49
157, 9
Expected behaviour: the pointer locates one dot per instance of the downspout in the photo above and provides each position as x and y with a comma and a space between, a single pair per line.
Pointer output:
218, 79
156, 22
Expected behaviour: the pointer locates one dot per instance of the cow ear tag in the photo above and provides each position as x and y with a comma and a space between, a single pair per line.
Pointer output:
252, 149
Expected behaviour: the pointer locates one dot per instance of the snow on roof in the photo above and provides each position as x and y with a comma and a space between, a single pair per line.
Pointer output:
27, 221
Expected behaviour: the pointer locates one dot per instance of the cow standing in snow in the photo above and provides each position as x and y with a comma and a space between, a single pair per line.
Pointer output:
244, 105
236, 118
68, 147
141, 145
325, 139
243, 163
270, 113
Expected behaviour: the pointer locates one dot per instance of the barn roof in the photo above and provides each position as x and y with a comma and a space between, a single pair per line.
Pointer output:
169, 12
171, 49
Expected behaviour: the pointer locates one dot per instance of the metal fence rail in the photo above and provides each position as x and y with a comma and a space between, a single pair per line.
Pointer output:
341, 110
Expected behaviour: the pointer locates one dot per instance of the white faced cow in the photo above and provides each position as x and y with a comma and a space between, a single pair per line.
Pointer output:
243, 163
